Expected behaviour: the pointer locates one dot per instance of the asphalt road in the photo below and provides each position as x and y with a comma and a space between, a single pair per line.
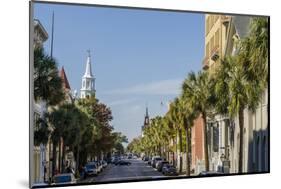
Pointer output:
137, 170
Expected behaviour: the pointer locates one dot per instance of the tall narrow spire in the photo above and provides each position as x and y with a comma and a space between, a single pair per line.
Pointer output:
88, 72
88, 80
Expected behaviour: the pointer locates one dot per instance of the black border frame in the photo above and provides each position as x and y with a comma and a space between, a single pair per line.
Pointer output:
148, 9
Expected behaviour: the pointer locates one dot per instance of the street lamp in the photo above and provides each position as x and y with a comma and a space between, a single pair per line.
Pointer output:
44, 163
222, 157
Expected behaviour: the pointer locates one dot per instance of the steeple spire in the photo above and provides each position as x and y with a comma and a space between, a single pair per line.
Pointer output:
146, 117
88, 72
88, 80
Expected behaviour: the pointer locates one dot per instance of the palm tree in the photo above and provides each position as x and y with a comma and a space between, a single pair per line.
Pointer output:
47, 88
47, 83
188, 117
174, 116
254, 50
196, 90
235, 93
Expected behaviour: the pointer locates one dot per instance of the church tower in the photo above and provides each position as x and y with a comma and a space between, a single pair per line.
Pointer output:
146, 122
88, 80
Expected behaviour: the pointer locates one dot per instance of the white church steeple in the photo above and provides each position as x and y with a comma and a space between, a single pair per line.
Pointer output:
88, 80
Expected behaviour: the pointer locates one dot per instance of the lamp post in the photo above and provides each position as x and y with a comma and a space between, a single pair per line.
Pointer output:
222, 157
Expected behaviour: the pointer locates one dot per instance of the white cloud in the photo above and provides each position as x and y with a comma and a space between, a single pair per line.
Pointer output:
164, 87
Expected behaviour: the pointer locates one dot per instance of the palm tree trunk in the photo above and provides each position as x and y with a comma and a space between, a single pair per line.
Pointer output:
59, 166
77, 161
241, 128
205, 142
54, 159
187, 151
180, 141
63, 158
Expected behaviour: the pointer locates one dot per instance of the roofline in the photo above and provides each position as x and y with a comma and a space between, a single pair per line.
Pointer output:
41, 28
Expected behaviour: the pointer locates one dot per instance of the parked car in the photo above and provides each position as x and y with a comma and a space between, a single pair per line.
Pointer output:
160, 164
169, 169
91, 169
145, 158
65, 178
123, 162
104, 164
154, 161
115, 160
210, 173
99, 166
149, 161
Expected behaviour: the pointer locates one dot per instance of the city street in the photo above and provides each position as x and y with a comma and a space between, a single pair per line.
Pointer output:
137, 170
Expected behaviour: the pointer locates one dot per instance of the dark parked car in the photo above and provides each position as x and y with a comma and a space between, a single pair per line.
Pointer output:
169, 169
123, 162
145, 158
154, 161
160, 165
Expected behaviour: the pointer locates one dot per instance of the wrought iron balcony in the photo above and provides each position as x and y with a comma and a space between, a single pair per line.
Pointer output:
215, 53
225, 19
206, 63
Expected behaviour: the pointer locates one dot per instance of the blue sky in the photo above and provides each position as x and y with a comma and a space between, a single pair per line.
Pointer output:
139, 57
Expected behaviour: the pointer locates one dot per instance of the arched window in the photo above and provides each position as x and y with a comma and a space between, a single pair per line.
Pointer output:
87, 84
257, 153
264, 154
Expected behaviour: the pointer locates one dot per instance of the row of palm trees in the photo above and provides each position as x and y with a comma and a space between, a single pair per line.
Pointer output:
237, 84
81, 126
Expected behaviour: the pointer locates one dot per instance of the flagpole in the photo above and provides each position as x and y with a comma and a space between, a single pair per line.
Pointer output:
52, 39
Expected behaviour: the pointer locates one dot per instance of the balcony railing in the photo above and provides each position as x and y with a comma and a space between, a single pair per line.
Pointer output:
225, 19
206, 63
215, 53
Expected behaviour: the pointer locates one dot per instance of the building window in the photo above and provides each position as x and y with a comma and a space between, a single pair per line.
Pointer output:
264, 154
257, 153
212, 43
217, 38
83, 83
207, 50
215, 137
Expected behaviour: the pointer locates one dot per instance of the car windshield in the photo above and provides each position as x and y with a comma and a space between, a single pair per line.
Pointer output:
169, 166
158, 159
61, 179
91, 166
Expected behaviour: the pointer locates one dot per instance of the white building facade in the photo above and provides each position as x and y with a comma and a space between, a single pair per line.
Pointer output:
40, 153
224, 133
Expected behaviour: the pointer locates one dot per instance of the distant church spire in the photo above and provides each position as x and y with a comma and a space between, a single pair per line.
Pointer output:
88, 80
146, 121
88, 72
146, 117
